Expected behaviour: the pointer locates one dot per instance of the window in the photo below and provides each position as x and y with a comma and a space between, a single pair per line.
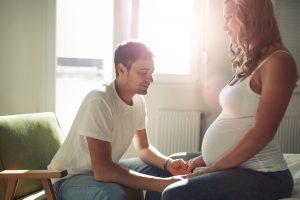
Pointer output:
84, 49
88, 30
171, 29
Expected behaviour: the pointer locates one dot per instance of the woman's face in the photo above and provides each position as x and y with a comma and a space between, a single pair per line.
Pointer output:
231, 26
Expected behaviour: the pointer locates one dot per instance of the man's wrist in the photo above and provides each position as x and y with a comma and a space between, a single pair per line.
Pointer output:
166, 162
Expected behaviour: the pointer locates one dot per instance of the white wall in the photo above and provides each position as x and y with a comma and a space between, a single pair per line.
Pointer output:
27, 58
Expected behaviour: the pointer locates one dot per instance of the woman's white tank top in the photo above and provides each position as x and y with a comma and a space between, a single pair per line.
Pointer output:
239, 104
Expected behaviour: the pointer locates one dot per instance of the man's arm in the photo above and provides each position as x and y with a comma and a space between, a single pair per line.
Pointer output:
107, 171
151, 155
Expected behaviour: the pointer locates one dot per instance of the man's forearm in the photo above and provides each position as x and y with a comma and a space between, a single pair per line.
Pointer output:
117, 174
152, 156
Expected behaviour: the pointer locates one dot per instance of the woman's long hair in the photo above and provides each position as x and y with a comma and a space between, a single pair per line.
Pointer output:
258, 31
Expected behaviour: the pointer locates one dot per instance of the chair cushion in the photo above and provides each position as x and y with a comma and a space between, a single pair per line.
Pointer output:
28, 141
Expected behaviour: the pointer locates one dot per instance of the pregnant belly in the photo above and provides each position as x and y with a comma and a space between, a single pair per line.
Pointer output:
222, 136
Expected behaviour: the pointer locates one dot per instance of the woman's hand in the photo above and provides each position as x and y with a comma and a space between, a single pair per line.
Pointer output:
202, 170
195, 162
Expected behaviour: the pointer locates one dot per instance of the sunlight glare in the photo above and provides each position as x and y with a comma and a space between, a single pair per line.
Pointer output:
166, 26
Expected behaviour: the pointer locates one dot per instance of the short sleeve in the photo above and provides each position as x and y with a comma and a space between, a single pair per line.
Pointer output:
96, 120
142, 110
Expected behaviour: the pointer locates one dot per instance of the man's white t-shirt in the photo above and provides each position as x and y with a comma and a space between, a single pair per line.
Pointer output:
104, 116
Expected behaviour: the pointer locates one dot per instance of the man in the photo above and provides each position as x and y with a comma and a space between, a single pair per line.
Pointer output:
108, 120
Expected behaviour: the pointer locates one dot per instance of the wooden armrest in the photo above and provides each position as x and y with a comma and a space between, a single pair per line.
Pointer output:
12, 177
32, 174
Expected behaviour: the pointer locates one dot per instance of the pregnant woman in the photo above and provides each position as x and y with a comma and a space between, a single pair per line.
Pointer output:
240, 157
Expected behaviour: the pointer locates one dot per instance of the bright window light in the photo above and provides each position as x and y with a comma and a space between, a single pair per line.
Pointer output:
84, 53
166, 26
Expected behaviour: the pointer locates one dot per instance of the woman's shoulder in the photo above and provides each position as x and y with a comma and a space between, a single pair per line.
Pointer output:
278, 57
280, 66
282, 60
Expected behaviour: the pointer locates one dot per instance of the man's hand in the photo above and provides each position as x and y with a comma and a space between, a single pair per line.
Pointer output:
177, 166
169, 180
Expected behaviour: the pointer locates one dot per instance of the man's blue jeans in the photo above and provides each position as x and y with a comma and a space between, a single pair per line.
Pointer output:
85, 187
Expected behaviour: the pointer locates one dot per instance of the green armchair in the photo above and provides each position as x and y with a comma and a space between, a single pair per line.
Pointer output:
27, 144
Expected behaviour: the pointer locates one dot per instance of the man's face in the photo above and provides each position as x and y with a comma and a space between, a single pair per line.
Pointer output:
139, 76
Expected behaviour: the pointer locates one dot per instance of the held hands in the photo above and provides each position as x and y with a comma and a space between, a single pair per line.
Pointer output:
181, 167
197, 167
176, 167
188, 169
195, 162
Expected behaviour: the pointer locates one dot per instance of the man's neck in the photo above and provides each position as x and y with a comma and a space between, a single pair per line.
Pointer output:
123, 93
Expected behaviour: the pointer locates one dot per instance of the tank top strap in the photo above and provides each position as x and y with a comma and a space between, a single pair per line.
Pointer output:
267, 58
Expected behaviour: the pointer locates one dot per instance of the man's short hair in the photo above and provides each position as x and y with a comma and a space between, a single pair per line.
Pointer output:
130, 51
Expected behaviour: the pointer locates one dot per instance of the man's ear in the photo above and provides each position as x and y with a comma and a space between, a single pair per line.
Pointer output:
121, 69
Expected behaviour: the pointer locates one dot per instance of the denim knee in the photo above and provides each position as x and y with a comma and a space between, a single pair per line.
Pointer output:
85, 187
113, 193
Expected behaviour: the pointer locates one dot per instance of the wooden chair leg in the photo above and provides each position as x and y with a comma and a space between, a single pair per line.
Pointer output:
11, 188
47, 185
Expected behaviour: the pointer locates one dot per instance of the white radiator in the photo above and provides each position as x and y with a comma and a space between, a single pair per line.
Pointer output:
178, 131
288, 133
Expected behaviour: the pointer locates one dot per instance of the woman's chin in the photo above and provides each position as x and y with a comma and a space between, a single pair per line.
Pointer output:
232, 39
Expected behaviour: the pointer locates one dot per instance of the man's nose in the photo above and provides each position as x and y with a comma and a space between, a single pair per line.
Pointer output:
150, 78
